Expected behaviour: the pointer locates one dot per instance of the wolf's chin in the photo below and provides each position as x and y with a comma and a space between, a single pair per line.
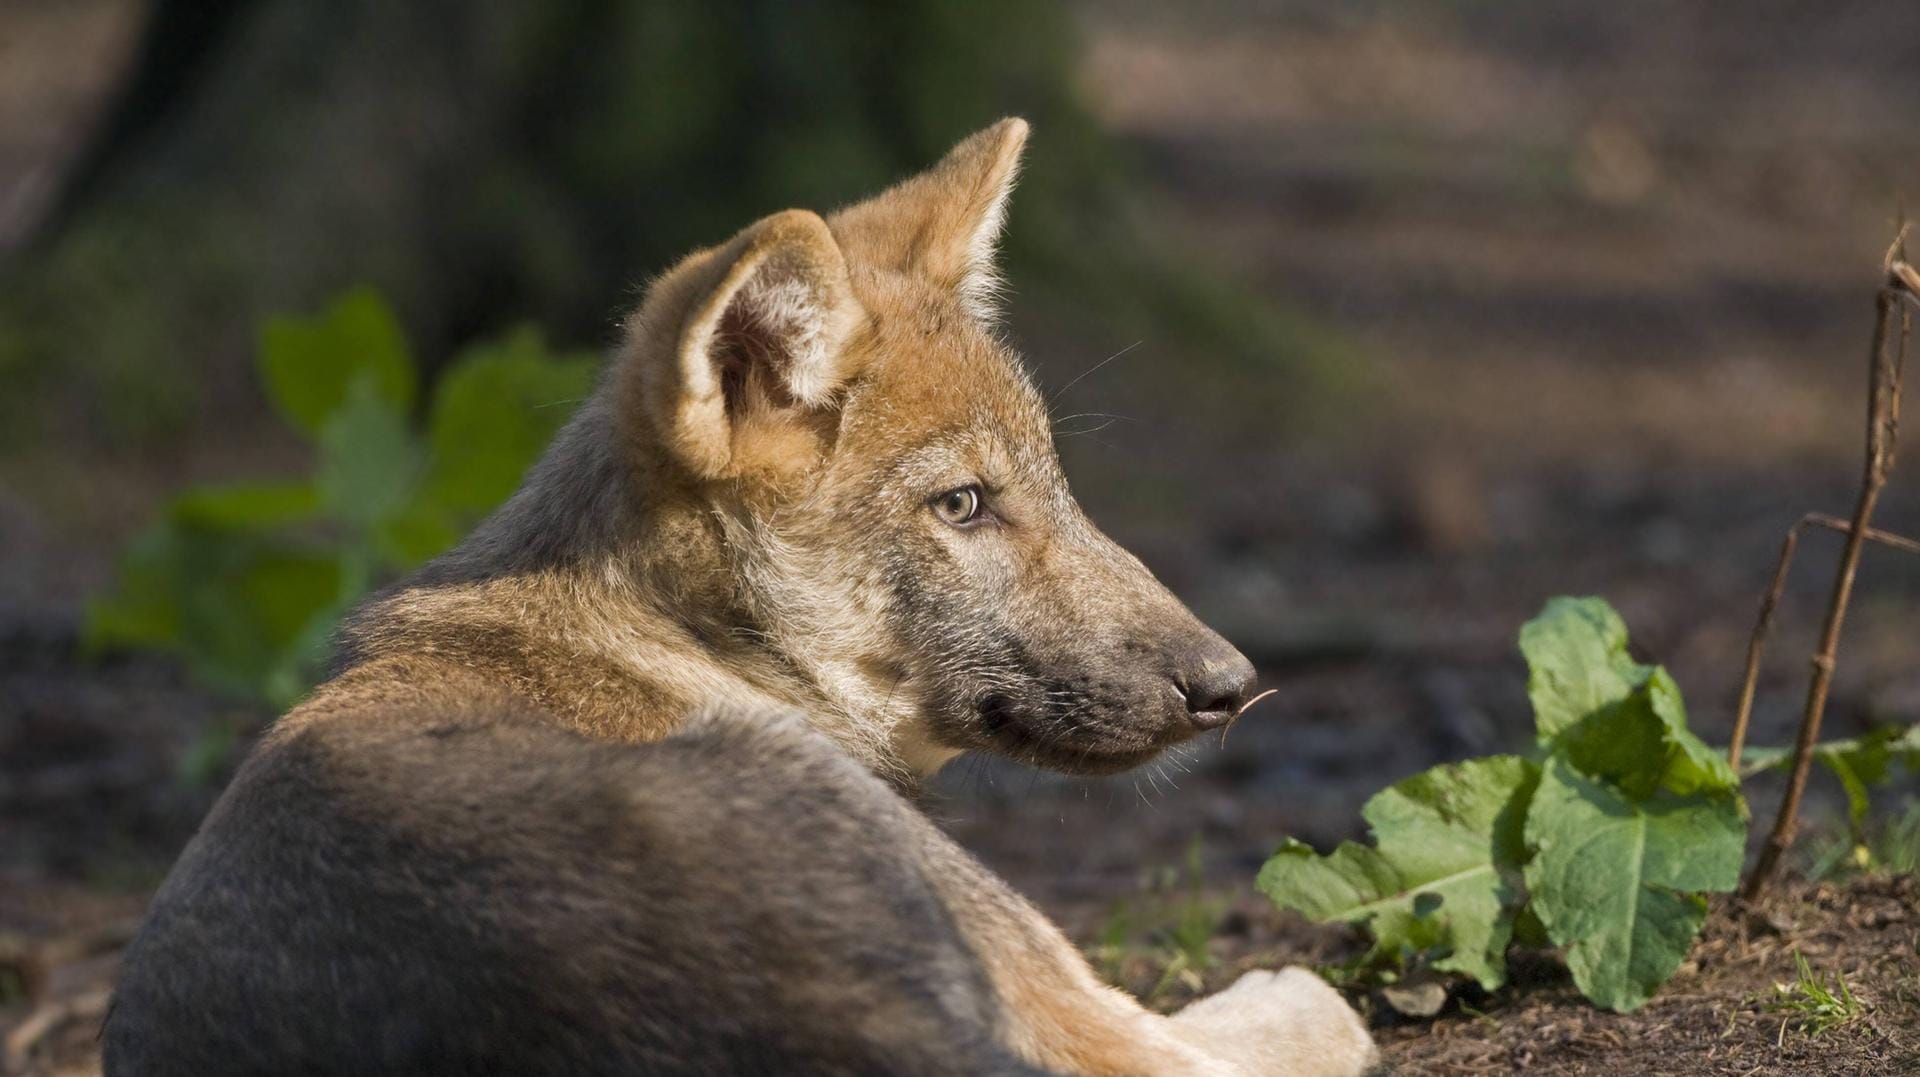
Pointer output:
1005, 731
1092, 762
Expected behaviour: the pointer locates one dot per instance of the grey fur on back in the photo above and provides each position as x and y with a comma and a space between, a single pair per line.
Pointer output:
738, 898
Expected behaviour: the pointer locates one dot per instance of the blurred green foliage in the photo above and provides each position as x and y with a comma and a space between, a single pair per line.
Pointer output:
246, 582
528, 160
1161, 938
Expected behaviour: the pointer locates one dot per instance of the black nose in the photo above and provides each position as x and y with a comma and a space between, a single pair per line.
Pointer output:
1217, 681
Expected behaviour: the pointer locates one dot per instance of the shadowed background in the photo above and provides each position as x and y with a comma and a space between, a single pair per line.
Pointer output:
1369, 326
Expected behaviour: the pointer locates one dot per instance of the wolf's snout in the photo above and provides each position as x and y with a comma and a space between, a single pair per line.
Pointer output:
1217, 680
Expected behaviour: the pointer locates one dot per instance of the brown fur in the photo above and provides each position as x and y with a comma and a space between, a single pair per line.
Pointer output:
740, 524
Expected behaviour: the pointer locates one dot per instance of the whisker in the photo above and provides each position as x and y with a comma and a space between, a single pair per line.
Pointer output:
1058, 393
1090, 430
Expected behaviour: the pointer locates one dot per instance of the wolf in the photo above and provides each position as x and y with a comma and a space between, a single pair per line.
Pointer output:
624, 784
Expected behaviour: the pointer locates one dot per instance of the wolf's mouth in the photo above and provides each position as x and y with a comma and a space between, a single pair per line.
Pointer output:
1066, 745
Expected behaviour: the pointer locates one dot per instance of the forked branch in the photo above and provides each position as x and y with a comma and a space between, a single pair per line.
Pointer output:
1763, 625
1886, 362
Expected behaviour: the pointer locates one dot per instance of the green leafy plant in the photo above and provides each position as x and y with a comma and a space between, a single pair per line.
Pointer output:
1603, 840
247, 581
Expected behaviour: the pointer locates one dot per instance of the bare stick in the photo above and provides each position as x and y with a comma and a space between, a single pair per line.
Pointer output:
1874, 534
1885, 367
1757, 643
1763, 625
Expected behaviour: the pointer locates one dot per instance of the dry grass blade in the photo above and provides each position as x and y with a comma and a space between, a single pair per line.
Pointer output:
1244, 708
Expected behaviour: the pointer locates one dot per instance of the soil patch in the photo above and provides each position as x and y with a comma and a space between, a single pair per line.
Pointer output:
1720, 1014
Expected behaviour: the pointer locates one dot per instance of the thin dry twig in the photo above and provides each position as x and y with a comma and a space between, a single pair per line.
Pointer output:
1886, 359
1763, 625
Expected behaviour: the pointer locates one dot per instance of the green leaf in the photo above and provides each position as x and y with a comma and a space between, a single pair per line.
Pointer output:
1577, 662
1528, 930
238, 606
369, 460
143, 608
310, 364
1642, 743
261, 622
421, 531
1870, 755
1611, 877
1855, 786
1441, 878
1634, 813
1611, 717
494, 412
258, 505
1858, 762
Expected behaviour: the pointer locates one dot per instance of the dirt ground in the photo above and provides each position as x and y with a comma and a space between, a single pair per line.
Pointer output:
1719, 1015
1614, 301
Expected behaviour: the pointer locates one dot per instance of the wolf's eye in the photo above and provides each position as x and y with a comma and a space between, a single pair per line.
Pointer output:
959, 506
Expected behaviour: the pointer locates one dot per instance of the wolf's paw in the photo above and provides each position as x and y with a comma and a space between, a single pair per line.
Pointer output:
1280, 1024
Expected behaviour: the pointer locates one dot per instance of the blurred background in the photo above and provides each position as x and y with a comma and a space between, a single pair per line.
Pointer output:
1373, 324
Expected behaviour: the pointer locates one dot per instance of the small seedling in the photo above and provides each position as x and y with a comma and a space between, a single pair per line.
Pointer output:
1168, 928
1812, 1005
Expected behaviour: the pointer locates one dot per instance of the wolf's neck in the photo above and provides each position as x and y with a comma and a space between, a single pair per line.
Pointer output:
623, 609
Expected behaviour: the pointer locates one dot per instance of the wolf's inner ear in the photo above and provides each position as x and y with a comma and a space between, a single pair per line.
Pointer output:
943, 224
761, 353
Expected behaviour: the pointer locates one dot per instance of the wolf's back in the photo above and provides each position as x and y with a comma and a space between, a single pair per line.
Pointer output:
486, 892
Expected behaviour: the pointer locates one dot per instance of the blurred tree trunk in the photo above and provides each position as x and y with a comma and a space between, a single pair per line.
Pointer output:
485, 164
62, 67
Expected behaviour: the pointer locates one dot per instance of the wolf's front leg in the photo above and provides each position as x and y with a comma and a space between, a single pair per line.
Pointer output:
1268, 1024
1287, 1022
1057, 1014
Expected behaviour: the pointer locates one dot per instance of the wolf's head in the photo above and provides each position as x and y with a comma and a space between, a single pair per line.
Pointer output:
832, 390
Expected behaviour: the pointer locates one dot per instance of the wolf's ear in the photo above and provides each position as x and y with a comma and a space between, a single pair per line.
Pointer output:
943, 223
744, 372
